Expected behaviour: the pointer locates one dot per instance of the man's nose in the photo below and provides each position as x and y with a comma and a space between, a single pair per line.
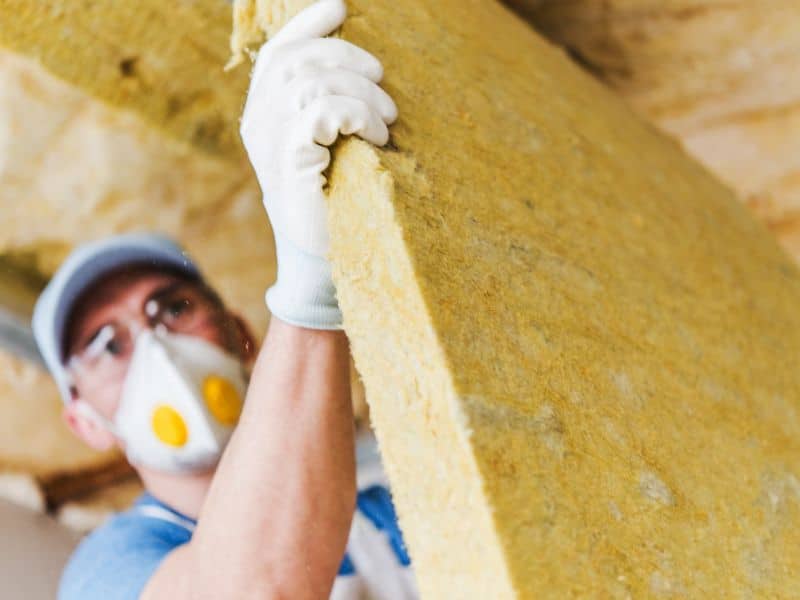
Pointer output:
137, 321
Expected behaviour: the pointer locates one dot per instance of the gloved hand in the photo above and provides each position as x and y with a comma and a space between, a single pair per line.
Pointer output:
306, 89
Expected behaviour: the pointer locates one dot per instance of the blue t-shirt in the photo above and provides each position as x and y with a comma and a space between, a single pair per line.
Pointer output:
116, 561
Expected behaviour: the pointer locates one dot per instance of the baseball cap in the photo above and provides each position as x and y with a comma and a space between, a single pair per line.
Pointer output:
82, 268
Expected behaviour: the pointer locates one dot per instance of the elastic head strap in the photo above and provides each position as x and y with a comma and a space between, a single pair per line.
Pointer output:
89, 412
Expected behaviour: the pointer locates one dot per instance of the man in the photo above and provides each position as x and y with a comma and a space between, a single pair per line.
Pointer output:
149, 359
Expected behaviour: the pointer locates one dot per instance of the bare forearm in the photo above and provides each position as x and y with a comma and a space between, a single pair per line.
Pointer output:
278, 512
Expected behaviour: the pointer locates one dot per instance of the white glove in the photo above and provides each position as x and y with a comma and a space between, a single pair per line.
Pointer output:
306, 90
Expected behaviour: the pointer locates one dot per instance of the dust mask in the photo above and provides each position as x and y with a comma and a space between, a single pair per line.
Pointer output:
181, 399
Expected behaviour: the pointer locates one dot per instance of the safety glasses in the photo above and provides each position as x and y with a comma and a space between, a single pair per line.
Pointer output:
182, 307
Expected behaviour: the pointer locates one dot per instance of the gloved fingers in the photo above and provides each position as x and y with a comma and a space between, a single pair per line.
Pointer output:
282, 65
318, 20
326, 117
313, 83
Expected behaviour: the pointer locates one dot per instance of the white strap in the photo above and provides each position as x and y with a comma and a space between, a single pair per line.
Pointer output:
369, 471
348, 587
159, 512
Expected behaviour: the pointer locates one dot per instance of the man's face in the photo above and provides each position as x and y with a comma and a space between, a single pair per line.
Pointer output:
102, 329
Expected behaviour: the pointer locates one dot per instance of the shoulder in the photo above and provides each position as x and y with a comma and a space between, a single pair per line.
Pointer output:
117, 559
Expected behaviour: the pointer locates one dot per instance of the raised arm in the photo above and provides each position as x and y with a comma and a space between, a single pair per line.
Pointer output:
276, 520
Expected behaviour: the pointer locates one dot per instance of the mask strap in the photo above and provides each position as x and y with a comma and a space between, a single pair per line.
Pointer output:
90, 413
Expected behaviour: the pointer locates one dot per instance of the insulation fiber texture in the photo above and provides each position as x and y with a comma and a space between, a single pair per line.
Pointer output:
162, 60
721, 75
579, 349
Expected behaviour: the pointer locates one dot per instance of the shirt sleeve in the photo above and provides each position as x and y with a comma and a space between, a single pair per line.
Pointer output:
116, 561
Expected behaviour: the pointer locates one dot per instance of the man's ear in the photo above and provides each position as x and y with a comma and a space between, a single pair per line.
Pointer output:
246, 340
88, 429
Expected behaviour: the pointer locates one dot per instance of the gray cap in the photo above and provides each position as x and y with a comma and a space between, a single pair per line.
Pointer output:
83, 267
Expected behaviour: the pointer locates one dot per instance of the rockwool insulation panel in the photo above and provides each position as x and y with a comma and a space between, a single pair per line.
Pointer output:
119, 116
722, 76
579, 349
161, 60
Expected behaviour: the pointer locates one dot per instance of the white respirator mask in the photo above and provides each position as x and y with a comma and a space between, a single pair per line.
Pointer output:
181, 400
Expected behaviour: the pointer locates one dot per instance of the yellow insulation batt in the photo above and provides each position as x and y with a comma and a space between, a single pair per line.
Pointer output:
720, 75
579, 349
118, 116
162, 60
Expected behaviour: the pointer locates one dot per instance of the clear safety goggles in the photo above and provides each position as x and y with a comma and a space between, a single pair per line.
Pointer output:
183, 307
